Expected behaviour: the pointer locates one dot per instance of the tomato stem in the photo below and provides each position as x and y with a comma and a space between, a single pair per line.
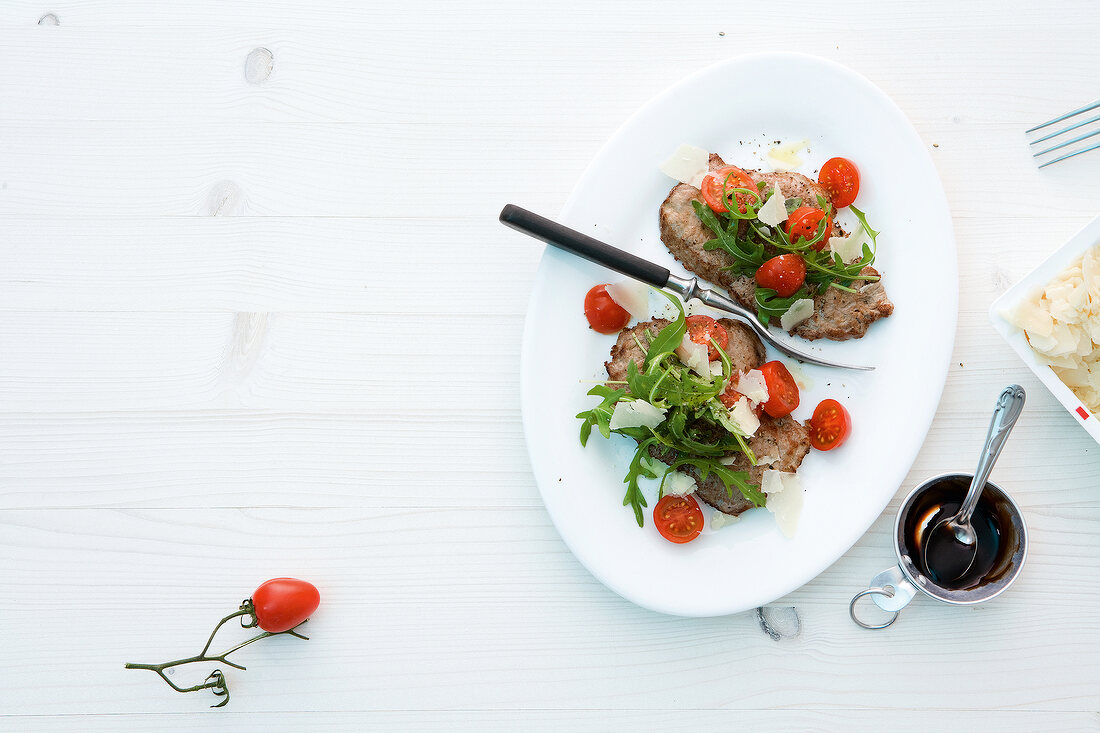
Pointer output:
216, 681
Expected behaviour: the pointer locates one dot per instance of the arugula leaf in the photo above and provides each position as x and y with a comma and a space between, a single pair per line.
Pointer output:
600, 415
640, 465
670, 336
747, 255
730, 479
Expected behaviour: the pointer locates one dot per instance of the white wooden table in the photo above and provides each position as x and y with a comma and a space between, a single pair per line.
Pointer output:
261, 324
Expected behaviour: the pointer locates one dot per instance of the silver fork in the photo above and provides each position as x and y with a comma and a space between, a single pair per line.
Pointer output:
1071, 141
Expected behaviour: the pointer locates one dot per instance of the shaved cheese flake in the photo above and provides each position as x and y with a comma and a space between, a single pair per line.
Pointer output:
695, 357
687, 165
636, 414
743, 417
799, 311
849, 248
721, 519
1062, 325
716, 369
753, 385
785, 504
771, 483
774, 211
679, 484
632, 296
785, 157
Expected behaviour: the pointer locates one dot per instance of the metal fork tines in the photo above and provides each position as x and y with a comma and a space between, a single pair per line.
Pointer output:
1071, 141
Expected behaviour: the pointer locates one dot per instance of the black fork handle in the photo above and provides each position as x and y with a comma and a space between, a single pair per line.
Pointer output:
583, 245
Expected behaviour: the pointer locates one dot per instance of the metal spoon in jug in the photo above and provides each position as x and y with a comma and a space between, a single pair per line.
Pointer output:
953, 541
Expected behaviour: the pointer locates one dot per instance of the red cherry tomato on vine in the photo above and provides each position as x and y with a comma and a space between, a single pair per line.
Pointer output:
830, 426
783, 274
281, 604
678, 518
701, 329
804, 223
719, 181
604, 314
782, 390
840, 177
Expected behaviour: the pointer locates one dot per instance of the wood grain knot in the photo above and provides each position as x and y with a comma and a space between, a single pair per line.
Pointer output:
258, 65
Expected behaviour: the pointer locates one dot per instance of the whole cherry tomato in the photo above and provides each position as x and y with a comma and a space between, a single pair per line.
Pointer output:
783, 274
604, 314
678, 518
280, 604
840, 177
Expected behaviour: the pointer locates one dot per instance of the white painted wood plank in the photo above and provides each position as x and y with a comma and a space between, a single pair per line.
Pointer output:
580, 721
253, 264
478, 65
500, 616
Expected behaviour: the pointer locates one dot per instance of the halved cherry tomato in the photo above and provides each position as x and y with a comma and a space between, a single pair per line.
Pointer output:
804, 223
281, 604
782, 390
701, 329
604, 314
719, 181
840, 177
678, 518
830, 426
783, 274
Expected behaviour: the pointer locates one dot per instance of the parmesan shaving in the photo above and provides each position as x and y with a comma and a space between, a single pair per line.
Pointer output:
679, 484
753, 385
632, 296
695, 357
636, 414
721, 519
774, 211
1062, 324
799, 311
743, 417
687, 165
786, 503
849, 248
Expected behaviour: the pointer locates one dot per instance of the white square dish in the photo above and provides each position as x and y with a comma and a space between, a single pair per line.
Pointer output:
1077, 245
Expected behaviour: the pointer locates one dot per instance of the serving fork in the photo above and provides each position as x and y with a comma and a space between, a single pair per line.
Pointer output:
1070, 128
593, 250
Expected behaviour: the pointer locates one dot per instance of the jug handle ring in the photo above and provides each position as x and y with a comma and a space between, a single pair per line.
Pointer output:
886, 591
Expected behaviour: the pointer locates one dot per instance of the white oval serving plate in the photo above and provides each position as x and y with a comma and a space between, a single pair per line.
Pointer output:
738, 108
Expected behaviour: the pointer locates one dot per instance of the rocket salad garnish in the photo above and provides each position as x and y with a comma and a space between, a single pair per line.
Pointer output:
693, 411
750, 243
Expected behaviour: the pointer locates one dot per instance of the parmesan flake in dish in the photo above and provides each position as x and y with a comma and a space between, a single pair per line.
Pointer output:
774, 211
695, 357
1062, 325
636, 414
687, 165
784, 494
799, 311
632, 296
743, 417
753, 385
679, 484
